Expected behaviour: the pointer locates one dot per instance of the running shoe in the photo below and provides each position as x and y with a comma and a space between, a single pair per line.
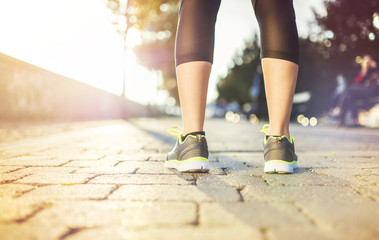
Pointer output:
189, 154
279, 153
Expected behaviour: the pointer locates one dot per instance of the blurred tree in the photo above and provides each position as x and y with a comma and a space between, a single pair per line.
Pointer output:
314, 76
157, 22
349, 30
235, 86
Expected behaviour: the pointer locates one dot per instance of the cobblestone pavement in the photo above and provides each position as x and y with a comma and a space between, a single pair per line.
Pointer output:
106, 180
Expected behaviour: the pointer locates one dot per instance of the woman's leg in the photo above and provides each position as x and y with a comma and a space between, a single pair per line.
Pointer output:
280, 82
280, 51
194, 57
193, 86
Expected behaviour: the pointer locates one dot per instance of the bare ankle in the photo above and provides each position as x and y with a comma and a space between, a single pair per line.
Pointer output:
191, 130
278, 132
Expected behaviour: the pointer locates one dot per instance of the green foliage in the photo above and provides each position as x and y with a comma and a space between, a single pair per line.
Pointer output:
348, 31
314, 76
157, 50
157, 23
140, 14
236, 85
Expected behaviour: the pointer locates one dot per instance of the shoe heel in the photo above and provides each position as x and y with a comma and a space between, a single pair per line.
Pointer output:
195, 167
275, 167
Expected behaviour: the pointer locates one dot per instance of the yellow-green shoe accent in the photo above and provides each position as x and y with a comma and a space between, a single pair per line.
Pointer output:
189, 154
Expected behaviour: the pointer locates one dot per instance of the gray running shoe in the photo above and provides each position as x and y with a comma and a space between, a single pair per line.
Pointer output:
279, 154
188, 155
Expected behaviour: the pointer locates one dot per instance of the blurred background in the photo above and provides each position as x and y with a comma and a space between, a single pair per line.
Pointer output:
97, 59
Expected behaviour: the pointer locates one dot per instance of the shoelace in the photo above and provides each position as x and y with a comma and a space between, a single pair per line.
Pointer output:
265, 130
176, 131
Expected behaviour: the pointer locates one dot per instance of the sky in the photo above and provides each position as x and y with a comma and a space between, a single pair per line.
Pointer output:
76, 38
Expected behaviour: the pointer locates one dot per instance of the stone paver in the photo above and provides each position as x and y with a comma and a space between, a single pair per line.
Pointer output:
106, 180
164, 233
176, 193
54, 178
69, 192
33, 161
144, 179
93, 214
256, 214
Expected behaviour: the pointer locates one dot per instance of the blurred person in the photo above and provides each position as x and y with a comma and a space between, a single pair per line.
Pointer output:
194, 57
340, 89
255, 90
256, 86
367, 66
364, 87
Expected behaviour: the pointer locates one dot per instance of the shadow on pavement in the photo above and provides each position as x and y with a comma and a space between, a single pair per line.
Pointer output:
214, 185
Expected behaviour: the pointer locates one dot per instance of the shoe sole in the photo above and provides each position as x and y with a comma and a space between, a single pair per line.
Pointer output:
192, 165
280, 166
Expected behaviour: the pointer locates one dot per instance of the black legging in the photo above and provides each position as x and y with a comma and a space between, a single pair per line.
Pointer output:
197, 18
